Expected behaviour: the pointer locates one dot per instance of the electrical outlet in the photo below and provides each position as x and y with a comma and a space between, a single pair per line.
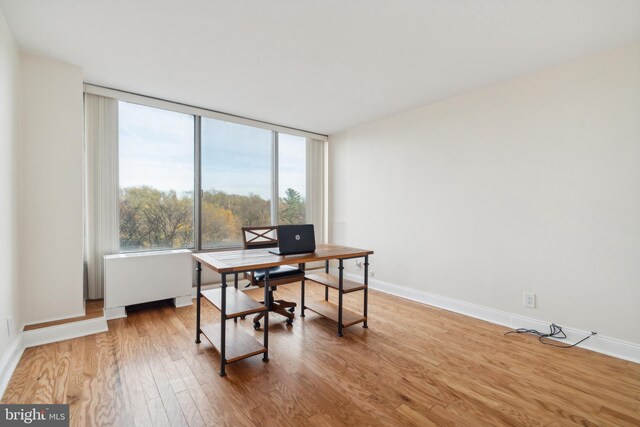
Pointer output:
9, 325
529, 300
370, 273
359, 264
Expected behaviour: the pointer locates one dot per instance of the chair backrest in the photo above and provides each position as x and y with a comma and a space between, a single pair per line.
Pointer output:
260, 237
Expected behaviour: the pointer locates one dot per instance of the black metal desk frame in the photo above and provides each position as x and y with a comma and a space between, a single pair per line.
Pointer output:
223, 314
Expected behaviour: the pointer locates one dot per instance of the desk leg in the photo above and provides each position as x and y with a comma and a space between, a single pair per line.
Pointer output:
366, 289
267, 303
340, 284
199, 286
235, 285
301, 266
326, 288
223, 324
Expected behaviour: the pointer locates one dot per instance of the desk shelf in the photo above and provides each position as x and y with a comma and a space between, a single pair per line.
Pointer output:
330, 280
238, 303
239, 344
336, 312
330, 311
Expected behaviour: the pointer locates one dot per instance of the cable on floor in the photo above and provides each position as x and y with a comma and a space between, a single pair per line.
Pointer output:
555, 331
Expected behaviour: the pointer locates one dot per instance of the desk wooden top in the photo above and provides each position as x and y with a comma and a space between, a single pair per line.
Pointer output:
258, 259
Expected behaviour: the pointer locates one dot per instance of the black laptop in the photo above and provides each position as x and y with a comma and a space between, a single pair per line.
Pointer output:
295, 239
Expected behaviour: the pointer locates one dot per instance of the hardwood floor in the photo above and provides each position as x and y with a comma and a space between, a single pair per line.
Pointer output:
415, 365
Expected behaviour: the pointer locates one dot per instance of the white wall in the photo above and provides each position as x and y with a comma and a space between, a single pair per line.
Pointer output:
529, 185
51, 190
9, 89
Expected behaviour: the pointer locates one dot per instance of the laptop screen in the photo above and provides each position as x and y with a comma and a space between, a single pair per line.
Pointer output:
296, 239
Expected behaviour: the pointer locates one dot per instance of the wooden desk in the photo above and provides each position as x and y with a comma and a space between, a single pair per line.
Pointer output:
234, 303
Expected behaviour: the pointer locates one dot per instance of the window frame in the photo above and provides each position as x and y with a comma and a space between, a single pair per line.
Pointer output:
198, 192
195, 198
272, 187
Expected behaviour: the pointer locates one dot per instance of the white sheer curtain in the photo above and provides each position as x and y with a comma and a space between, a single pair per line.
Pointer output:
315, 197
102, 219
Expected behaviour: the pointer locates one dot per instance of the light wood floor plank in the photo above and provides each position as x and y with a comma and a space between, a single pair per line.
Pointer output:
167, 395
156, 411
190, 410
416, 365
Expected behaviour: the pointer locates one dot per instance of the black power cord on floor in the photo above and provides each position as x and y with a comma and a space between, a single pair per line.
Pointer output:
555, 331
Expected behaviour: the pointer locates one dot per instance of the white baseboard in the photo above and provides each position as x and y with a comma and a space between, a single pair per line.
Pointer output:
183, 301
599, 343
63, 332
9, 361
115, 313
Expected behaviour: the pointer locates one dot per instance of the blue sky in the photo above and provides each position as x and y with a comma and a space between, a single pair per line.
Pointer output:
156, 149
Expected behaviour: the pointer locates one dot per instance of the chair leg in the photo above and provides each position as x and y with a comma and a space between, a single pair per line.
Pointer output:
282, 307
286, 303
257, 318
283, 312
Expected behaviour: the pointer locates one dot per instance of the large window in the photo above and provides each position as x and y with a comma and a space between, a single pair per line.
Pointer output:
156, 178
244, 175
236, 181
291, 179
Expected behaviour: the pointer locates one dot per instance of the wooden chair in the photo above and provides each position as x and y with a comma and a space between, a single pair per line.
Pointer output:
267, 237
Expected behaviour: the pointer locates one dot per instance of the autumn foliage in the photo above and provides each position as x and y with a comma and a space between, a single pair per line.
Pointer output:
154, 219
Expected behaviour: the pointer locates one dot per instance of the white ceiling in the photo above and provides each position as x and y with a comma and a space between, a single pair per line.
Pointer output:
317, 65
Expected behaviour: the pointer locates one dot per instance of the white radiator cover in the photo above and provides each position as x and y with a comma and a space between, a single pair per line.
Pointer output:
147, 276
